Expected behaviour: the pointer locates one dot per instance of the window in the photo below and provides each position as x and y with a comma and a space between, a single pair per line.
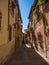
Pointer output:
46, 1
18, 25
10, 32
11, 7
40, 39
0, 19
39, 36
13, 32
48, 30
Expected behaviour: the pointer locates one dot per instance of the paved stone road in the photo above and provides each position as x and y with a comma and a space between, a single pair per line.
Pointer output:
26, 56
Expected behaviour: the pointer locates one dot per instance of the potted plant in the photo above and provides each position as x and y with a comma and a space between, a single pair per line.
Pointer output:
41, 2
36, 11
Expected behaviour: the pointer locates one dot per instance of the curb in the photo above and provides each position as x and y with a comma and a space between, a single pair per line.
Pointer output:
46, 59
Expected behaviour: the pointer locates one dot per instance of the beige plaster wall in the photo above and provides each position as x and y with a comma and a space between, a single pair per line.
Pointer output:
4, 23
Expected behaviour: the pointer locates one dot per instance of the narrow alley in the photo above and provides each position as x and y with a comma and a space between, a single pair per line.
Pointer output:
24, 32
25, 56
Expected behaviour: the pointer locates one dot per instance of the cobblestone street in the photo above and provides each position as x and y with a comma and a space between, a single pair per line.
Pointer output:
25, 56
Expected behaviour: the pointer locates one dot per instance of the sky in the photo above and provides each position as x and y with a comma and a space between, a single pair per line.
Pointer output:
25, 6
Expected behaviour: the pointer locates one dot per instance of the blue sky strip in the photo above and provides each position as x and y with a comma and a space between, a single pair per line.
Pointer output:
25, 6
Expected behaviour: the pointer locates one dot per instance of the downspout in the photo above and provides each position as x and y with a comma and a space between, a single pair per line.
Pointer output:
8, 14
44, 35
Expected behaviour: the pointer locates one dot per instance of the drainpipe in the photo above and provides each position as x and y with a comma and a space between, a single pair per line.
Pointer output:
15, 26
8, 15
45, 46
45, 43
45, 38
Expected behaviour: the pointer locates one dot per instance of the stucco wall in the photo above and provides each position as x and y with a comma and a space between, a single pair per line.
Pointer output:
6, 50
6, 46
4, 22
47, 16
40, 28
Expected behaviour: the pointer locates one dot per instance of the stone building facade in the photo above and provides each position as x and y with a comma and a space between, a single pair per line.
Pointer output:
18, 20
40, 23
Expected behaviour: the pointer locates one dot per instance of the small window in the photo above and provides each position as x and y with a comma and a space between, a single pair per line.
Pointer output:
0, 19
39, 34
40, 37
48, 30
10, 32
18, 25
